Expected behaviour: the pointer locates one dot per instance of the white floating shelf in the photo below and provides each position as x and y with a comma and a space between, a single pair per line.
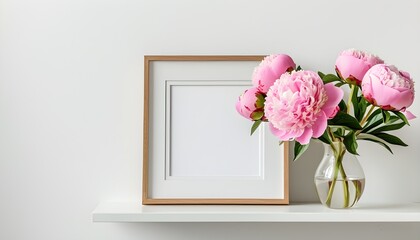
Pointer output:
135, 212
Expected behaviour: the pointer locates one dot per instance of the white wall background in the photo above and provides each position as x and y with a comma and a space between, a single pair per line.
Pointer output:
71, 78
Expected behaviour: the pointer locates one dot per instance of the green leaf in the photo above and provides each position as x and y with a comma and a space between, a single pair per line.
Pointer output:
378, 121
380, 143
351, 81
342, 105
257, 115
402, 117
255, 126
340, 84
392, 119
390, 127
390, 139
299, 150
351, 143
373, 115
339, 132
368, 137
372, 125
325, 138
340, 128
344, 119
298, 68
330, 78
362, 107
385, 116
374, 120
355, 102
321, 75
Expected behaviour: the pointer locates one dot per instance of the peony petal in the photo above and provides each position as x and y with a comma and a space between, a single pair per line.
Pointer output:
382, 94
263, 78
367, 86
335, 94
405, 74
285, 135
409, 115
331, 111
276, 132
404, 100
305, 137
246, 103
281, 63
349, 65
238, 106
241, 110
249, 98
334, 112
320, 125
291, 134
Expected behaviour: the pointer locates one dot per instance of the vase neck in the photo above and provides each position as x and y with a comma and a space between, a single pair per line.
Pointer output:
338, 149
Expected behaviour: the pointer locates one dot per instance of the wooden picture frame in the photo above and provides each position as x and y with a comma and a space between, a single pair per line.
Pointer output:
175, 90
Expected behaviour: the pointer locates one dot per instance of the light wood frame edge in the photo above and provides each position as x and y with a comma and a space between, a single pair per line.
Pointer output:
146, 200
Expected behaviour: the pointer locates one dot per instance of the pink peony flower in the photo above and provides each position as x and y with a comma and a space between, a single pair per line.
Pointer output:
247, 105
270, 69
298, 105
353, 64
388, 88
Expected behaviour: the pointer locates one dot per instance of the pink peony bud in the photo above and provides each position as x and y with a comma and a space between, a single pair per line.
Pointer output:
299, 104
388, 88
250, 104
353, 64
270, 69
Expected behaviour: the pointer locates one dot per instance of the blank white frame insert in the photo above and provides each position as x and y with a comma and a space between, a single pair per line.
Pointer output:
189, 107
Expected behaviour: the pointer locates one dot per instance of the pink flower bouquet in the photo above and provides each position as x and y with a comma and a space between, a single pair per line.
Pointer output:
301, 104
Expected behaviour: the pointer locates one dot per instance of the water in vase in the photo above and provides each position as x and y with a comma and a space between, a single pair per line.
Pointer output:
345, 194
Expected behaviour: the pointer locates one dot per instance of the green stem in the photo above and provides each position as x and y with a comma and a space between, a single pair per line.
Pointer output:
331, 188
350, 96
358, 192
331, 134
338, 154
365, 118
345, 184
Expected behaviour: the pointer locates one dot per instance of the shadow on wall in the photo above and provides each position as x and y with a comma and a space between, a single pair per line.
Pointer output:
301, 173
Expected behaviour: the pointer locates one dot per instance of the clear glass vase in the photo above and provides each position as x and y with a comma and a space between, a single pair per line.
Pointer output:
339, 178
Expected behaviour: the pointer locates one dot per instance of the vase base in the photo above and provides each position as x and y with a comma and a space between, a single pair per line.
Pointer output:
344, 193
